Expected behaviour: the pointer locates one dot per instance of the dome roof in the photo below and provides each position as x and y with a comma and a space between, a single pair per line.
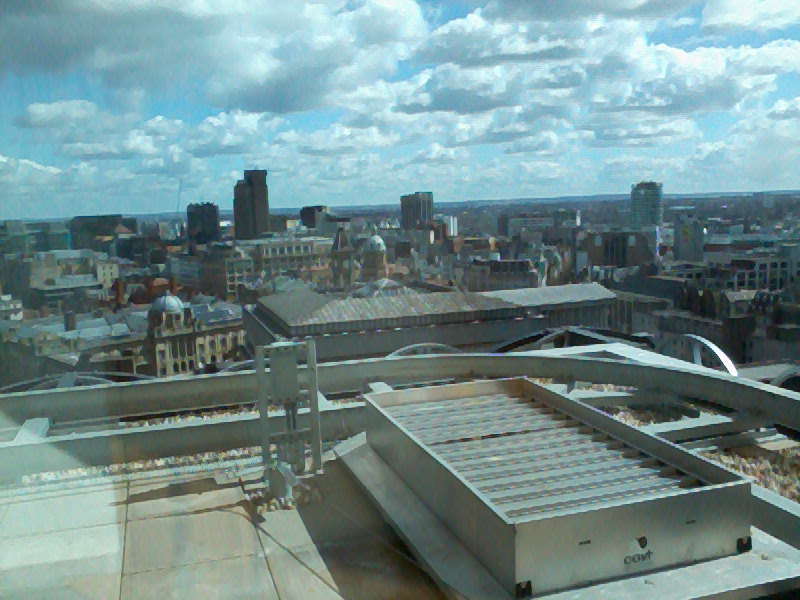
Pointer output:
168, 304
375, 244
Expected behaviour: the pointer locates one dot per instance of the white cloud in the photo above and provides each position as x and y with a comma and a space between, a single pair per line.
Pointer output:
785, 109
757, 15
646, 133
519, 97
762, 146
545, 170
580, 9
668, 80
438, 154
337, 139
57, 114
257, 56
231, 133
79, 129
476, 41
22, 169
544, 142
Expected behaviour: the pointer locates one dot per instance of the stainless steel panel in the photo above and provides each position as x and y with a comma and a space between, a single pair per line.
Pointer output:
469, 515
554, 470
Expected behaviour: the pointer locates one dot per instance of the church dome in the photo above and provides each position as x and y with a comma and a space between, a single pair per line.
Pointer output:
375, 244
167, 304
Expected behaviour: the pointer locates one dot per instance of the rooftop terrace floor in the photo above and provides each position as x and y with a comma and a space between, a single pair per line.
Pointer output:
200, 536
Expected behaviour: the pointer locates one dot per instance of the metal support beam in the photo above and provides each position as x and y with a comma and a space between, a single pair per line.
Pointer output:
103, 448
375, 387
263, 408
32, 430
776, 515
214, 391
704, 426
314, 401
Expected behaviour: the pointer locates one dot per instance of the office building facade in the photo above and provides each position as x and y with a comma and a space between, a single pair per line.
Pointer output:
202, 223
416, 208
310, 214
251, 206
688, 237
647, 206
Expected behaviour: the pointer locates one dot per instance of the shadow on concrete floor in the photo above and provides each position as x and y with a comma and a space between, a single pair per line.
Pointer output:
174, 490
365, 558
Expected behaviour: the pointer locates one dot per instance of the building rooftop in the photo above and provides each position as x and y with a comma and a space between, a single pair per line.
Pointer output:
543, 297
308, 311
153, 490
106, 501
66, 282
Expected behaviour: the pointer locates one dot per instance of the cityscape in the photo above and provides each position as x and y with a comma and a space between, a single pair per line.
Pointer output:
380, 299
92, 294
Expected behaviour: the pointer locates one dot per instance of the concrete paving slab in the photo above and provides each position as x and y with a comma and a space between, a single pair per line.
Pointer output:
77, 563
233, 579
67, 588
323, 523
61, 546
370, 569
69, 510
300, 574
61, 487
283, 529
172, 541
182, 497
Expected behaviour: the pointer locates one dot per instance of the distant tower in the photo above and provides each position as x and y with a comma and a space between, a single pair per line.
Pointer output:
203, 224
342, 260
310, 214
373, 259
416, 208
689, 236
646, 204
251, 206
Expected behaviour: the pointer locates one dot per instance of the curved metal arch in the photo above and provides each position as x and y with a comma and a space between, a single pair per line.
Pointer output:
788, 380
82, 378
513, 344
424, 348
698, 342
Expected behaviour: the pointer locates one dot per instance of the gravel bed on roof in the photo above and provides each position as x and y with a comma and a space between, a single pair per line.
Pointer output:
639, 418
776, 470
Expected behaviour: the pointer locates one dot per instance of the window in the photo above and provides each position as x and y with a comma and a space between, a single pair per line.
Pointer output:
128, 125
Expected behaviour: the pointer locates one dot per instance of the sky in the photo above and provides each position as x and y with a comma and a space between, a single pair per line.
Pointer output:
136, 106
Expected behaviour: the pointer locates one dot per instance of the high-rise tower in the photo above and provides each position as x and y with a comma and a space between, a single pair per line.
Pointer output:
416, 208
202, 224
251, 206
646, 204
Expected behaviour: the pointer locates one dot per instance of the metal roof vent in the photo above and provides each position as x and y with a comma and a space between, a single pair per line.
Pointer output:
549, 493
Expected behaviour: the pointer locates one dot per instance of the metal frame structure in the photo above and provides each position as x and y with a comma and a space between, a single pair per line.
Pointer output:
283, 389
85, 422
696, 345
549, 493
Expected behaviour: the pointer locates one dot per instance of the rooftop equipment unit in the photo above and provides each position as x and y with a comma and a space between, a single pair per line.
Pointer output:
549, 493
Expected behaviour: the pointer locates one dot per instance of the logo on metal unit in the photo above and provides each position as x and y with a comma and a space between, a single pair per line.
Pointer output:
633, 559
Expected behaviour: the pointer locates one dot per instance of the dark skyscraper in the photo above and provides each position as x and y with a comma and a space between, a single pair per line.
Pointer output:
308, 215
416, 208
203, 223
251, 206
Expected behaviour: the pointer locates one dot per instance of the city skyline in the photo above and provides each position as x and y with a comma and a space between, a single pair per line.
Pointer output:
357, 103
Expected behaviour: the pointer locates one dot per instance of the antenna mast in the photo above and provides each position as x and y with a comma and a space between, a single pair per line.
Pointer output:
180, 191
